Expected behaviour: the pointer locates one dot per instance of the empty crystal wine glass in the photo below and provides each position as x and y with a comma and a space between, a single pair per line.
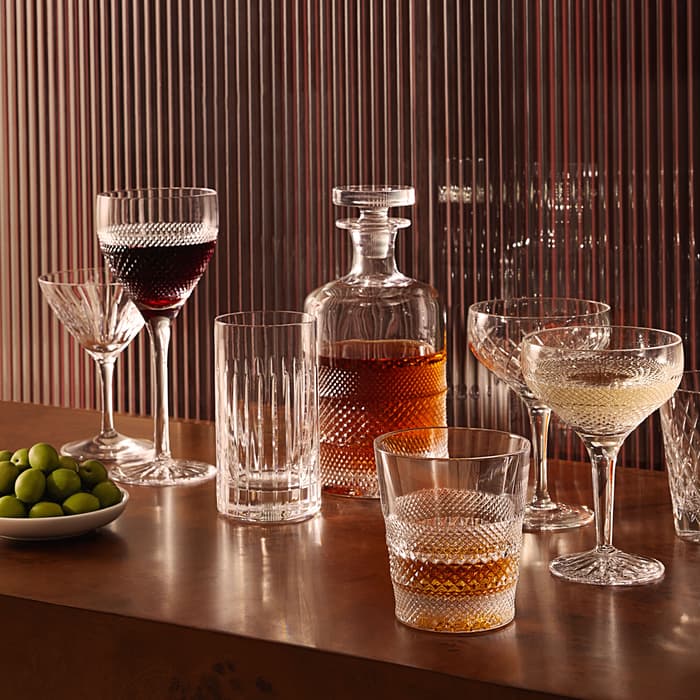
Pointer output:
603, 381
496, 330
96, 310
158, 243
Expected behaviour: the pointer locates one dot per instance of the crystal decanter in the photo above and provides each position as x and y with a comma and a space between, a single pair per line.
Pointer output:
381, 336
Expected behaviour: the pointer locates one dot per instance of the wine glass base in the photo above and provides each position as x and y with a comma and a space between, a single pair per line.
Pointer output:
560, 516
164, 472
607, 567
115, 450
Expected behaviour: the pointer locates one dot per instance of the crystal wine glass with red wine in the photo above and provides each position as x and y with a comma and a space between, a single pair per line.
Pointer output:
158, 242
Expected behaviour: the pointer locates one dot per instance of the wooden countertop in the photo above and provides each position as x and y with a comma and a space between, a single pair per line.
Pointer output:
174, 601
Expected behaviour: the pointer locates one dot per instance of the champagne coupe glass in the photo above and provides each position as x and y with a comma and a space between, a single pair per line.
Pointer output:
96, 310
496, 330
603, 381
158, 243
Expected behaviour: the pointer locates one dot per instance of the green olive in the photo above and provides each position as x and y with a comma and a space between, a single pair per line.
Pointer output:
45, 509
80, 503
43, 456
8, 475
30, 485
108, 494
21, 458
66, 462
61, 483
92, 472
12, 507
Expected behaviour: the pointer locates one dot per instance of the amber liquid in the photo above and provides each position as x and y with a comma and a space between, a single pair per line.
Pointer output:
443, 579
368, 388
454, 558
439, 585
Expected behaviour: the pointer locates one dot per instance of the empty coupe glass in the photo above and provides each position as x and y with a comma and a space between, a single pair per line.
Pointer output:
96, 310
496, 330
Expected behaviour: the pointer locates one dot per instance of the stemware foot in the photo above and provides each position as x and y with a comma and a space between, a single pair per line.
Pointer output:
557, 516
607, 566
115, 450
164, 472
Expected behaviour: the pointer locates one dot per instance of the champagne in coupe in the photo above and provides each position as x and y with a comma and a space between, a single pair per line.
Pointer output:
159, 242
96, 310
602, 400
496, 330
603, 381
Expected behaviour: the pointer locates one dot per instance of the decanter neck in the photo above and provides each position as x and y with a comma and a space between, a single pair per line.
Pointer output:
373, 237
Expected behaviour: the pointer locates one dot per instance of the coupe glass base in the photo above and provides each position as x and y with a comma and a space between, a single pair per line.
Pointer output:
559, 516
114, 450
607, 567
164, 472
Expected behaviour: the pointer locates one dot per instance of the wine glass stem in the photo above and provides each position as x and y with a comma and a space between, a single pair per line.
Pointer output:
159, 331
603, 461
106, 367
539, 425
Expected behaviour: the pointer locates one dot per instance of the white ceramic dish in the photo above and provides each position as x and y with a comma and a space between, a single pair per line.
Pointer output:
61, 526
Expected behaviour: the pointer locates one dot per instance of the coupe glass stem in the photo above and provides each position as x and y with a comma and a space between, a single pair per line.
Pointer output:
603, 461
106, 366
159, 331
539, 425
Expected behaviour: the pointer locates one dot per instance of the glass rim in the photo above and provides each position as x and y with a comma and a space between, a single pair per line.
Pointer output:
632, 329
603, 307
687, 374
46, 277
525, 447
245, 319
157, 193
381, 188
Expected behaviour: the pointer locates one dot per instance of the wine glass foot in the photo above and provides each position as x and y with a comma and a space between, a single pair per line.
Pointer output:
559, 516
607, 567
164, 472
115, 450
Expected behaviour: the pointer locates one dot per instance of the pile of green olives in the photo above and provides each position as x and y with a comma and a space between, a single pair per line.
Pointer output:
37, 482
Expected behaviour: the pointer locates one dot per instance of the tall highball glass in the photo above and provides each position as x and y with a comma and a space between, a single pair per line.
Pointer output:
158, 242
603, 381
496, 330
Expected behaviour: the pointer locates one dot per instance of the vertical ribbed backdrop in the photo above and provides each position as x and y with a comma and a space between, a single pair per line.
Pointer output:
551, 143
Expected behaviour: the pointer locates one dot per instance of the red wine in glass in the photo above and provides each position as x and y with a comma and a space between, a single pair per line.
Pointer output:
158, 242
159, 276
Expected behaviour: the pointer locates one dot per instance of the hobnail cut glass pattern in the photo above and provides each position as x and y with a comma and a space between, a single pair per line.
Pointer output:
454, 559
680, 421
357, 406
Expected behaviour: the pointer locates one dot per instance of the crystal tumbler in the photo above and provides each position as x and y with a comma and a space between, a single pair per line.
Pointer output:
453, 501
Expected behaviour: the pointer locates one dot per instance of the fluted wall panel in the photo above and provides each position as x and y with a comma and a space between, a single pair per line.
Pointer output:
551, 143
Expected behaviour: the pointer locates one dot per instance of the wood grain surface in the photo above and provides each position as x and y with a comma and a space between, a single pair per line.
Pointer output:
174, 601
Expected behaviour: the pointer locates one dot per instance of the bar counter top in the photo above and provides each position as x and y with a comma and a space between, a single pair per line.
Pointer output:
173, 601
